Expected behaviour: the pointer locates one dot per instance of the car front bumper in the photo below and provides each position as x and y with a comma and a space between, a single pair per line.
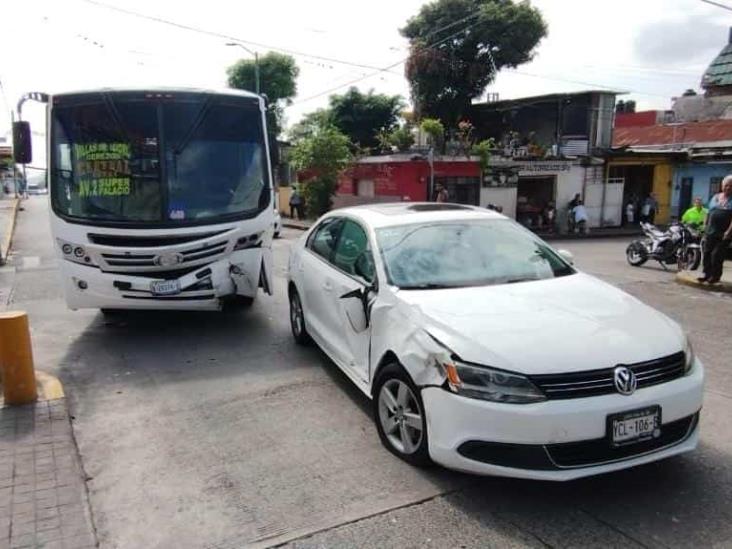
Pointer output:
557, 439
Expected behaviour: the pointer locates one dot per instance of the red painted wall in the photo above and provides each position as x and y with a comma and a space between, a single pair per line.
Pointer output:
406, 180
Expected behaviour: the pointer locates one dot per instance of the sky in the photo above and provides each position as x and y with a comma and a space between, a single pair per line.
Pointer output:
653, 49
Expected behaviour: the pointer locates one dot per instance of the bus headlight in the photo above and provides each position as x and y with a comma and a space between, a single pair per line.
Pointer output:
75, 253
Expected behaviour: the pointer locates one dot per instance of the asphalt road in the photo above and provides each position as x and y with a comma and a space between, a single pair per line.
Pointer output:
216, 431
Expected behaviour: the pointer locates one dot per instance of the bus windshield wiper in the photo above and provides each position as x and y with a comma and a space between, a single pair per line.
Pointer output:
197, 121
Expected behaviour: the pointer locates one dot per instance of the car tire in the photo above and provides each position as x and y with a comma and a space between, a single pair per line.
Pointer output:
398, 410
297, 319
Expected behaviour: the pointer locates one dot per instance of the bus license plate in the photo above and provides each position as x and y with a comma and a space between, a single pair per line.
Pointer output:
635, 426
165, 287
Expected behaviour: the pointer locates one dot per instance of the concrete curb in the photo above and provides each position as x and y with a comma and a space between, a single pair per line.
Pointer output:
49, 388
8, 236
689, 279
299, 226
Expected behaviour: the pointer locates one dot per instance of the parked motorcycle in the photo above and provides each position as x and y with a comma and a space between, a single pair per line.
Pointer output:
679, 244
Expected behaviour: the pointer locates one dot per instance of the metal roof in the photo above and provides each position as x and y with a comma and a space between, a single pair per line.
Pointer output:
542, 98
692, 134
719, 72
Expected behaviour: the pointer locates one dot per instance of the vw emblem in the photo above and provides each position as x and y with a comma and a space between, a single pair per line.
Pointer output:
625, 380
168, 259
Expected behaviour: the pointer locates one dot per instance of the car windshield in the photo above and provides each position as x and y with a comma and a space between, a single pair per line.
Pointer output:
466, 253
169, 161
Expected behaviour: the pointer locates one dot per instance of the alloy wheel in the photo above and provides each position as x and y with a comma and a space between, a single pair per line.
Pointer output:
400, 416
296, 316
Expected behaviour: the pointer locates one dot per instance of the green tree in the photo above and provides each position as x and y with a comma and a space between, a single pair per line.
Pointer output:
322, 155
309, 124
434, 129
361, 116
278, 81
402, 138
455, 45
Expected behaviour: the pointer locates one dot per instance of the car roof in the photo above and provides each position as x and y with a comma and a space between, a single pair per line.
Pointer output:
405, 213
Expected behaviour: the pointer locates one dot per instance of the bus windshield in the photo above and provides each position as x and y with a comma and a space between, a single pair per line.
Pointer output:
172, 160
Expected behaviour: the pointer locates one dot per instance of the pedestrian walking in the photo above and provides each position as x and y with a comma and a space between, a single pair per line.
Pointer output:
296, 204
718, 233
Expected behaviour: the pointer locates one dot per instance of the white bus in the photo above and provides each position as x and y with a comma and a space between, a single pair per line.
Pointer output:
160, 198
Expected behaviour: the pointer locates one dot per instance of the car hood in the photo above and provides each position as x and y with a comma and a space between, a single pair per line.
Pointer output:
565, 324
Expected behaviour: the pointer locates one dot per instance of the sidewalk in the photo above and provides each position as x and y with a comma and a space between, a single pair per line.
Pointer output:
43, 496
9, 208
43, 499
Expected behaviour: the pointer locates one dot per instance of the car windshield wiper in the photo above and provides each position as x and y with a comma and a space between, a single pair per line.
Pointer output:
427, 286
521, 279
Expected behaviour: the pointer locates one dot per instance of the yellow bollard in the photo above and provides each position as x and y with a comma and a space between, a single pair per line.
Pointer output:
16, 359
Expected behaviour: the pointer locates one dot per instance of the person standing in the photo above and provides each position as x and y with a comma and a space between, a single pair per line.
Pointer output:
579, 213
630, 213
441, 195
718, 233
570, 211
650, 208
295, 204
695, 216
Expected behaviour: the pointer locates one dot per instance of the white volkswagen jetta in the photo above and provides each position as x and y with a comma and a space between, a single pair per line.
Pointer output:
484, 350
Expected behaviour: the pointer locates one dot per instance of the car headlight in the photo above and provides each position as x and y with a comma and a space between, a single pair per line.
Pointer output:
490, 384
688, 356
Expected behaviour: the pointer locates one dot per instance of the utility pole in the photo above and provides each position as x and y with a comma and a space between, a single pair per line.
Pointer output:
256, 63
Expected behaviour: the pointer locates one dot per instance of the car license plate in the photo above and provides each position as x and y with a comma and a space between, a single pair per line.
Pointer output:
165, 287
635, 426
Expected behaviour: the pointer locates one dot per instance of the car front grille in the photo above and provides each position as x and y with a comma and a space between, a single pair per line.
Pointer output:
595, 452
591, 383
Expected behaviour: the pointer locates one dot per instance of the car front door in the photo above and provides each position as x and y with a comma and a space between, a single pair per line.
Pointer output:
316, 276
352, 281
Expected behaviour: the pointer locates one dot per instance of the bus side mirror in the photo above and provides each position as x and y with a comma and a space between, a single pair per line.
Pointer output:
22, 148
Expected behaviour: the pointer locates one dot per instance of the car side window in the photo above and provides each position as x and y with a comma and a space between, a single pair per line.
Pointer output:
353, 253
323, 239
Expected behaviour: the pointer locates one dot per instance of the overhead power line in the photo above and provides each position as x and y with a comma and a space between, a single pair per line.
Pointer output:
723, 6
396, 64
226, 36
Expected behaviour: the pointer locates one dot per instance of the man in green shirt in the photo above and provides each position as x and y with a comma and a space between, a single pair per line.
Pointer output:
695, 216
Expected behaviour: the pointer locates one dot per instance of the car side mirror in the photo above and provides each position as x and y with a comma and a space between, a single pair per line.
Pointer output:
364, 267
22, 147
567, 256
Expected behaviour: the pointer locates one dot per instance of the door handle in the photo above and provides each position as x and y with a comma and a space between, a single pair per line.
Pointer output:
327, 286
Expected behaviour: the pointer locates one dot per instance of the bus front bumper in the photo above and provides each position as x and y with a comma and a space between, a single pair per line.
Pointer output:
202, 289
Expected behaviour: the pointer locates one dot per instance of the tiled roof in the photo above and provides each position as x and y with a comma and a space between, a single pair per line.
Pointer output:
719, 72
673, 134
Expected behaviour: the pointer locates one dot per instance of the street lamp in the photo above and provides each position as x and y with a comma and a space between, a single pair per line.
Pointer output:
256, 62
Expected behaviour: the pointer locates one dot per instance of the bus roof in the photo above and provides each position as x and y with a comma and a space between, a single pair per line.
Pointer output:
160, 89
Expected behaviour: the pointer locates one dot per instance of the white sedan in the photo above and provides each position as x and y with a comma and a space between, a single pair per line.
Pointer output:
485, 350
